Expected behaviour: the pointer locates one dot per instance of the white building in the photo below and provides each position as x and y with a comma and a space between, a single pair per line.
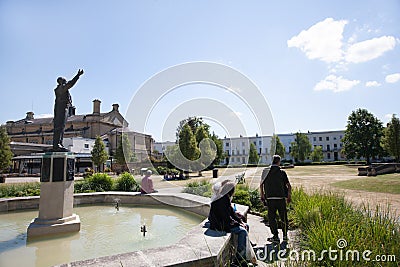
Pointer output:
161, 147
79, 144
237, 148
287, 140
331, 143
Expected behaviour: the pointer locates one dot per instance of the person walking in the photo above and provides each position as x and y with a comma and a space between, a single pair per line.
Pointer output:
276, 191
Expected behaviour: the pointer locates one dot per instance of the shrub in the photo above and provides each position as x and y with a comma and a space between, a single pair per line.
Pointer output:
242, 197
255, 200
200, 188
161, 170
100, 182
19, 190
82, 187
126, 182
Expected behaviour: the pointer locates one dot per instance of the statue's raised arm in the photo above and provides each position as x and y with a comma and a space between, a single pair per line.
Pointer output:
62, 103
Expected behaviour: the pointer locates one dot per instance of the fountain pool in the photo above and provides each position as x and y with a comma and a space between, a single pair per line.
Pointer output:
104, 231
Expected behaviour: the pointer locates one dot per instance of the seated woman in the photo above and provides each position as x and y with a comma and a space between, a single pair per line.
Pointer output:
222, 217
146, 185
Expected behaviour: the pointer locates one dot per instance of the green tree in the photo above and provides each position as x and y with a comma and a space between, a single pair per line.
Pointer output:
277, 148
206, 146
362, 136
220, 149
391, 138
5, 150
194, 123
99, 154
187, 144
124, 151
301, 147
316, 154
253, 156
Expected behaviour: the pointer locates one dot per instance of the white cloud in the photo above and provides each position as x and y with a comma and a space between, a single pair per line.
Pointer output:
336, 84
369, 49
372, 84
321, 41
392, 78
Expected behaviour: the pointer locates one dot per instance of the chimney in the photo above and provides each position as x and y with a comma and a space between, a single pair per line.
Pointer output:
115, 107
96, 107
29, 115
71, 111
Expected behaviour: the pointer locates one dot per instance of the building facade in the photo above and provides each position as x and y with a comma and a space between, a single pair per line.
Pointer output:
237, 148
80, 132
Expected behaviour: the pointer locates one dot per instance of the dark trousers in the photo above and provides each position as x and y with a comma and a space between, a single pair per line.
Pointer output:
279, 205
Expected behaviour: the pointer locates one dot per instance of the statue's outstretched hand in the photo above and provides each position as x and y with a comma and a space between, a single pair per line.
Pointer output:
80, 72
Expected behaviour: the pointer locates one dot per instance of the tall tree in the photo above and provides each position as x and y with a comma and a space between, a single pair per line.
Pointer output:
124, 151
206, 146
316, 154
187, 143
99, 154
253, 156
5, 150
391, 138
301, 147
220, 149
277, 148
362, 136
193, 122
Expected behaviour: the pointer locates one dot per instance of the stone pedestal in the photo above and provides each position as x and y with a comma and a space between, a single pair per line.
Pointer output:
56, 196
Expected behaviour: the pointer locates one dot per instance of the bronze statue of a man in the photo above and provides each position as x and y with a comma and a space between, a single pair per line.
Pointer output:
62, 103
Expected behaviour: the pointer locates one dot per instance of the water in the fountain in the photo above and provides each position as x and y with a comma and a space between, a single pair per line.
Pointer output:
103, 232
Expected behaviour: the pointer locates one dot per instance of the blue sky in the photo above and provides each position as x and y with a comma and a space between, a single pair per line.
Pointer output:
314, 61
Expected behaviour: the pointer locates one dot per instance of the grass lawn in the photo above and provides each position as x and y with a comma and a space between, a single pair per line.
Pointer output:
323, 170
388, 183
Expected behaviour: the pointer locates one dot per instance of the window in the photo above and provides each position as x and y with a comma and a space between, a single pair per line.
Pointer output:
315, 139
242, 143
334, 145
328, 148
341, 145
233, 159
227, 152
259, 143
334, 138
226, 144
243, 160
255, 143
320, 138
327, 138
244, 152
233, 152
86, 146
328, 155
260, 151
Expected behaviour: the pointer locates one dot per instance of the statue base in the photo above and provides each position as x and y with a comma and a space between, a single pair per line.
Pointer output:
56, 197
40, 227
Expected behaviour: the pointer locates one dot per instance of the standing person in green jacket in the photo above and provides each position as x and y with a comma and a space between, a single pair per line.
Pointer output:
276, 191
